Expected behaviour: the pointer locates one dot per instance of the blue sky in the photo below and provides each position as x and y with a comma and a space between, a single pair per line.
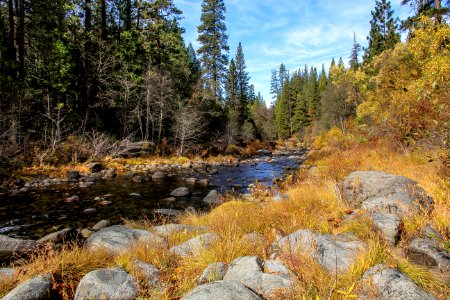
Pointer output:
286, 31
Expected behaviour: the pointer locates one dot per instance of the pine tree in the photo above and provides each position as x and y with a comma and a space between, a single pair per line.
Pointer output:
232, 103
383, 33
214, 48
435, 8
323, 80
243, 84
354, 63
274, 84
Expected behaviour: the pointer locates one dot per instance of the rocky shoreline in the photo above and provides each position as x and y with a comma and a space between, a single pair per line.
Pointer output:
146, 172
384, 199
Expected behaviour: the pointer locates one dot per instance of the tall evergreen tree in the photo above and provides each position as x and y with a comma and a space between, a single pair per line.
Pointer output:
274, 85
214, 48
383, 30
323, 80
354, 62
243, 83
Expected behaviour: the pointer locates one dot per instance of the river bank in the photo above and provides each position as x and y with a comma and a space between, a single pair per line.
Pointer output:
138, 190
247, 239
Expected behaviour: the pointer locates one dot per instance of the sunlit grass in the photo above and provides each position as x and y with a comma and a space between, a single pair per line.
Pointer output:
314, 203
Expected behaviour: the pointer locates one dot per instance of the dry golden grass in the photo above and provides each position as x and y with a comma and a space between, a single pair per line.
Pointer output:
314, 203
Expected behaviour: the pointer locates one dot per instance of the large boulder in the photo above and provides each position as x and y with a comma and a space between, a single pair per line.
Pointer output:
428, 253
170, 229
118, 238
10, 246
114, 283
382, 192
248, 270
336, 253
195, 246
37, 288
213, 272
221, 290
382, 282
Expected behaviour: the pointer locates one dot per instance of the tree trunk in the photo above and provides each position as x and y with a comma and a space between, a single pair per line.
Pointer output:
20, 36
128, 16
437, 6
88, 48
11, 39
103, 13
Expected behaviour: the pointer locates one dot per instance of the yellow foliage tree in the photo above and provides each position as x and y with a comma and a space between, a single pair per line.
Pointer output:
411, 97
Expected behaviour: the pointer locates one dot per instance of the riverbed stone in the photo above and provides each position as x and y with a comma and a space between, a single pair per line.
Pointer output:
95, 167
64, 235
389, 225
381, 192
101, 224
158, 175
168, 212
213, 272
203, 182
170, 229
72, 199
37, 288
73, 175
10, 246
248, 270
113, 283
191, 180
336, 253
116, 239
180, 192
427, 252
137, 179
90, 210
195, 246
221, 290
86, 232
264, 152
213, 197
382, 282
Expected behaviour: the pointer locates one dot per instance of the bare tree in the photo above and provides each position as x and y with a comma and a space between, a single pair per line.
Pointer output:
188, 126
158, 96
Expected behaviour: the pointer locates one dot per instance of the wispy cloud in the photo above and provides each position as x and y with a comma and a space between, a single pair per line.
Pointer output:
291, 32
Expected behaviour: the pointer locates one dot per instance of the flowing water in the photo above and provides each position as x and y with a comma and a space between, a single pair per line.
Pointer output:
42, 211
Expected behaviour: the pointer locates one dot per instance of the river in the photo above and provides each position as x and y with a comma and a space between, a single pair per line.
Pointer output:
41, 211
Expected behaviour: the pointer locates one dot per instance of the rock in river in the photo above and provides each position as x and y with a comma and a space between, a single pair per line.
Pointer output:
180, 192
213, 197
